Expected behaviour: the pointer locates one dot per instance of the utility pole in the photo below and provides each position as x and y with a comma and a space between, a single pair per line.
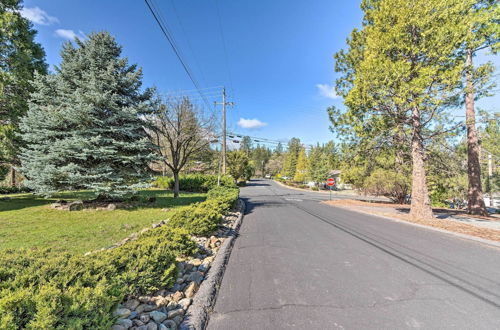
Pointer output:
224, 149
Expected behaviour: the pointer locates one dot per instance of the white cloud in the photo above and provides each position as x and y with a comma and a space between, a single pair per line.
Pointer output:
327, 91
38, 16
251, 123
69, 34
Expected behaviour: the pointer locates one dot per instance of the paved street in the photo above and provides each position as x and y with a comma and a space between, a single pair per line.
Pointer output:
301, 264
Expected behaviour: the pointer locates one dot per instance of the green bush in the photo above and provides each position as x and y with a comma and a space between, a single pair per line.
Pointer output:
40, 289
203, 218
13, 190
194, 182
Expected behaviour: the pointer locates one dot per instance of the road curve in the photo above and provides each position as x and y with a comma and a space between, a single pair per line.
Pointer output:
301, 264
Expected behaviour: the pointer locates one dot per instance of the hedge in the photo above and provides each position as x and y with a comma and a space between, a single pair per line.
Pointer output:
194, 182
203, 218
42, 289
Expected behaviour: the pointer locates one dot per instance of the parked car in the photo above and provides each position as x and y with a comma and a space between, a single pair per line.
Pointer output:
268, 176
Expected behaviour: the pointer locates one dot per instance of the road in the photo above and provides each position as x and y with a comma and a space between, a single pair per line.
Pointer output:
298, 263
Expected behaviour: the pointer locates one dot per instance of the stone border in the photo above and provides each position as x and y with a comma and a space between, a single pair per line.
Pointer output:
444, 231
197, 314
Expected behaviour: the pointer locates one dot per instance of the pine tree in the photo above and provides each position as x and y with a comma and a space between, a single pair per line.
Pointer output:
20, 58
291, 157
301, 169
400, 75
85, 126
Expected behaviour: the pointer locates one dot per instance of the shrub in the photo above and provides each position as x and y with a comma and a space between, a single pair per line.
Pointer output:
40, 289
194, 182
13, 190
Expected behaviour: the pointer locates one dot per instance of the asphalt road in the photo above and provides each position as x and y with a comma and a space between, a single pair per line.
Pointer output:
301, 264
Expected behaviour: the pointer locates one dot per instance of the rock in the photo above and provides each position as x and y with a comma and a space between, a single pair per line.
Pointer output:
158, 316
122, 312
170, 324
126, 323
165, 209
196, 277
178, 319
53, 205
149, 308
191, 289
132, 304
178, 296
75, 206
151, 326
118, 327
144, 299
175, 312
162, 327
138, 322
180, 280
144, 318
204, 267
161, 301
212, 241
195, 262
184, 303
177, 287
188, 266
111, 207
172, 305
140, 308
142, 327
133, 315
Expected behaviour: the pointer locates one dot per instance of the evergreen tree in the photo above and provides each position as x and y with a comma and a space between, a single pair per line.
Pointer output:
301, 169
246, 145
291, 157
479, 30
318, 166
20, 58
85, 127
399, 76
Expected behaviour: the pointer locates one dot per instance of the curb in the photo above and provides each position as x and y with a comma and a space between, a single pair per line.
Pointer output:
197, 314
444, 231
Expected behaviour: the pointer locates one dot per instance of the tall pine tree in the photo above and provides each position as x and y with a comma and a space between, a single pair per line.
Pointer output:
85, 126
20, 58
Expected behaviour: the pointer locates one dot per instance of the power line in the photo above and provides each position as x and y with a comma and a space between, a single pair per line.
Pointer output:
166, 32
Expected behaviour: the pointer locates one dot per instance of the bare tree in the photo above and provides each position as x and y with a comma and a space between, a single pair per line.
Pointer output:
180, 132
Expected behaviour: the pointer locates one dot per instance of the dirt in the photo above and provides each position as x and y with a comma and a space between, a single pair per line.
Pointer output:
397, 211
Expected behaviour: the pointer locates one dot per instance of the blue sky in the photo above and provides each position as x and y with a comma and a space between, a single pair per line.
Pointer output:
277, 67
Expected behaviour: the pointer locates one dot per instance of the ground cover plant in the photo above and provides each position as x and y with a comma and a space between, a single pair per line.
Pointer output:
43, 288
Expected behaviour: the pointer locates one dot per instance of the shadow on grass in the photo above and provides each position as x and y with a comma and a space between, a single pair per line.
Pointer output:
164, 199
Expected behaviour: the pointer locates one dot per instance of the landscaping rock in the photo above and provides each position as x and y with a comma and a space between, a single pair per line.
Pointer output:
144, 299
75, 206
162, 327
144, 318
111, 207
151, 326
178, 319
170, 324
133, 315
149, 308
126, 323
175, 312
184, 303
191, 289
132, 304
178, 296
172, 305
196, 277
138, 323
195, 262
122, 312
158, 316
118, 327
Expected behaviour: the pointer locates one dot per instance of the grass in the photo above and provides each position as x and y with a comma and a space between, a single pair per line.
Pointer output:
28, 221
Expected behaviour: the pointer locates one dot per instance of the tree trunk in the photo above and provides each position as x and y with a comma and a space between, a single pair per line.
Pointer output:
176, 184
13, 181
420, 202
475, 193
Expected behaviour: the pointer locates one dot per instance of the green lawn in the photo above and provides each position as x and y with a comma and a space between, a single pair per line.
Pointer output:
28, 221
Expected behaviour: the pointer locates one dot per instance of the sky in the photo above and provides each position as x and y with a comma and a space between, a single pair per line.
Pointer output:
275, 58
